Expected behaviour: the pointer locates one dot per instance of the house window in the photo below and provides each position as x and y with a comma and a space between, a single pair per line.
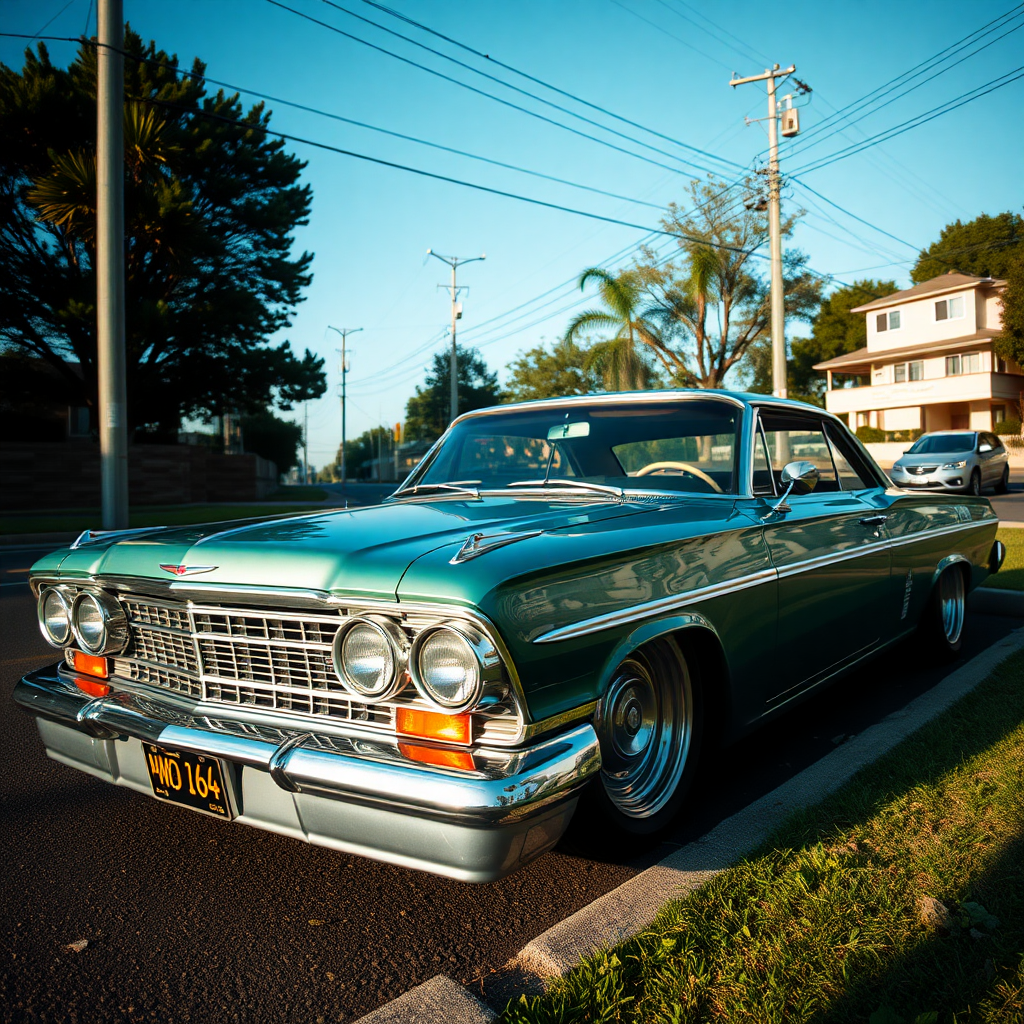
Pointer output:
908, 371
950, 309
970, 362
1000, 365
888, 321
998, 413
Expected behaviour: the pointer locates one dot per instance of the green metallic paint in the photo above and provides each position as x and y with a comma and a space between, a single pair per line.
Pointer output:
595, 557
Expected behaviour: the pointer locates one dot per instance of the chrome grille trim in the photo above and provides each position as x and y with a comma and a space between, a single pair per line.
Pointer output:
278, 662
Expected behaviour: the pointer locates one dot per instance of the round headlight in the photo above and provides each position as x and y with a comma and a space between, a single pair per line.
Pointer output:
90, 624
99, 624
54, 617
368, 659
447, 669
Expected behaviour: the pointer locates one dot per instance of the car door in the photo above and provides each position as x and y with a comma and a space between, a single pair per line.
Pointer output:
831, 552
988, 454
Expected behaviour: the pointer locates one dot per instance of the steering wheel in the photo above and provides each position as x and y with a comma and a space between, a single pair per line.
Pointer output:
685, 467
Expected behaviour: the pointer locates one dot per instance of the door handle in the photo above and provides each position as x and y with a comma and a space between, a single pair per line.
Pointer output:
875, 521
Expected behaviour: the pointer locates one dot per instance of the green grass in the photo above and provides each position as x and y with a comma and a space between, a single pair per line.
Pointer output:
69, 522
822, 923
1011, 576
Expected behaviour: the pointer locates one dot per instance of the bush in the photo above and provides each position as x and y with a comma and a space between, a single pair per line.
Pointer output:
1004, 427
870, 435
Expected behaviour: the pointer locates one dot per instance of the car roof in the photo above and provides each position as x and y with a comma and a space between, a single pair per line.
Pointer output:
739, 398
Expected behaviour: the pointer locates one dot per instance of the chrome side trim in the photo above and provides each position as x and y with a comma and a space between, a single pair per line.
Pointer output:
945, 563
656, 607
669, 604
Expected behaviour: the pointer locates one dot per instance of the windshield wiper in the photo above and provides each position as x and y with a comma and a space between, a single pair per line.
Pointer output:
457, 486
580, 484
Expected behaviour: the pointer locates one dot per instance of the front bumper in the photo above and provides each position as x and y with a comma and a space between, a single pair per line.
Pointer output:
954, 480
344, 790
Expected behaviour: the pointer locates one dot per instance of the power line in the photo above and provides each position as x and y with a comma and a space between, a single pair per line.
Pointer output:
906, 92
915, 122
920, 68
488, 95
546, 85
419, 171
671, 35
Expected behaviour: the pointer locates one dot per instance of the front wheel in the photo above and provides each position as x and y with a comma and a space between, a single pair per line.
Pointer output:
974, 487
650, 724
1003, 487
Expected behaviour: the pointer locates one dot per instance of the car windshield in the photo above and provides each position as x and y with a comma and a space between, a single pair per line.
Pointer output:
687, 446
940, 444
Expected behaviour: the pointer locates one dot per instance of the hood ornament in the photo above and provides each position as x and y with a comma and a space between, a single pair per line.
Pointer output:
480, 543
187, 570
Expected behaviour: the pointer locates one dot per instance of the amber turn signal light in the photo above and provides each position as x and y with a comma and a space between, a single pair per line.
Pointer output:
91, 665
92, 687
432, 725
461, 759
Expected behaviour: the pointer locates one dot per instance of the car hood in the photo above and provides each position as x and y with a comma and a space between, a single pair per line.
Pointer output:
363, 551
933, 459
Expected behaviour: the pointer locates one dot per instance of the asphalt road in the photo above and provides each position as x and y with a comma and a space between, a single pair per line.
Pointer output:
189, 919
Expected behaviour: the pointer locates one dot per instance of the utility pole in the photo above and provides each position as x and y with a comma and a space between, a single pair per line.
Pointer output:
454, 262
110, 330
344, 332
305, 442
778, 316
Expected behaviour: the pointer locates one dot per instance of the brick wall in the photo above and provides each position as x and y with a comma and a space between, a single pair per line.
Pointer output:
45, 475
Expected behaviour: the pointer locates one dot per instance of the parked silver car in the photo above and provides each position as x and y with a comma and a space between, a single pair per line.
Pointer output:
954, 460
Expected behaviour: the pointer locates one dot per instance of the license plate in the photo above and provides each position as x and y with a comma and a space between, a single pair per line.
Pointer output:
192, 780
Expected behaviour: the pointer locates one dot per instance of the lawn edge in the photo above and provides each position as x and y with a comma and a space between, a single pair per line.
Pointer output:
631, 907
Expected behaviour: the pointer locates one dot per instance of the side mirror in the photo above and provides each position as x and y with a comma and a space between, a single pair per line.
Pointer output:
800, 477
984, 448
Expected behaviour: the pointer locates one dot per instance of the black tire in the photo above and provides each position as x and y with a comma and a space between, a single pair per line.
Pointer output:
1003, 487
942, 626
974, 485
642, 786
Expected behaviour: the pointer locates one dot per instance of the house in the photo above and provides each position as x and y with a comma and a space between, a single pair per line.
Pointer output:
929, 363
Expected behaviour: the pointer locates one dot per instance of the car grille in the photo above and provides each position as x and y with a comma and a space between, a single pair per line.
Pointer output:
276, 661
271, 660
921, 470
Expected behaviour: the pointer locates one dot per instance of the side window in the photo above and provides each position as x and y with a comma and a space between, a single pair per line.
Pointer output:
849, 478
763, 482
799, 439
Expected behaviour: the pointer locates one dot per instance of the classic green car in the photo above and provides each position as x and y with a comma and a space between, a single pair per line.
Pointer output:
566, 598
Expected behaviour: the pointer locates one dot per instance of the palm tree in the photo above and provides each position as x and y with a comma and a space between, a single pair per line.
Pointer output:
619, 359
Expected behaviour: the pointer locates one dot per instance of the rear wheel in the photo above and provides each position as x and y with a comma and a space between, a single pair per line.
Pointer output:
1003, 487
650, 724
942, 627
974, 487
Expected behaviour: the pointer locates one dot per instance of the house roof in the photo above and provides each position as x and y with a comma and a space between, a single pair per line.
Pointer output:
951, 282
864, 356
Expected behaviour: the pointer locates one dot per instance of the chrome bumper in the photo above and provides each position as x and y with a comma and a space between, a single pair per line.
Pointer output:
348, 790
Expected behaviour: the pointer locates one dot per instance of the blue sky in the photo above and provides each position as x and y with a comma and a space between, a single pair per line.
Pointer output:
656, 62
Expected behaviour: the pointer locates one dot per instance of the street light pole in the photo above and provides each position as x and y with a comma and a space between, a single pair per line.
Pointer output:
110, 329
778, 317
454, 262
344, 332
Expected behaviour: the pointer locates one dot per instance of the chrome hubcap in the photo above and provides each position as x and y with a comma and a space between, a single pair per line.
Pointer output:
951, 604
645, 726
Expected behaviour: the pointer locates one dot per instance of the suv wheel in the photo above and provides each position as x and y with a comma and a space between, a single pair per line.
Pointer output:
1003, 487
974, 487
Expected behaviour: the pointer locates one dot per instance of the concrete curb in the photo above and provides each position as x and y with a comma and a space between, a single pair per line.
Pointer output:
438, 1000
994, 601
632, 906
